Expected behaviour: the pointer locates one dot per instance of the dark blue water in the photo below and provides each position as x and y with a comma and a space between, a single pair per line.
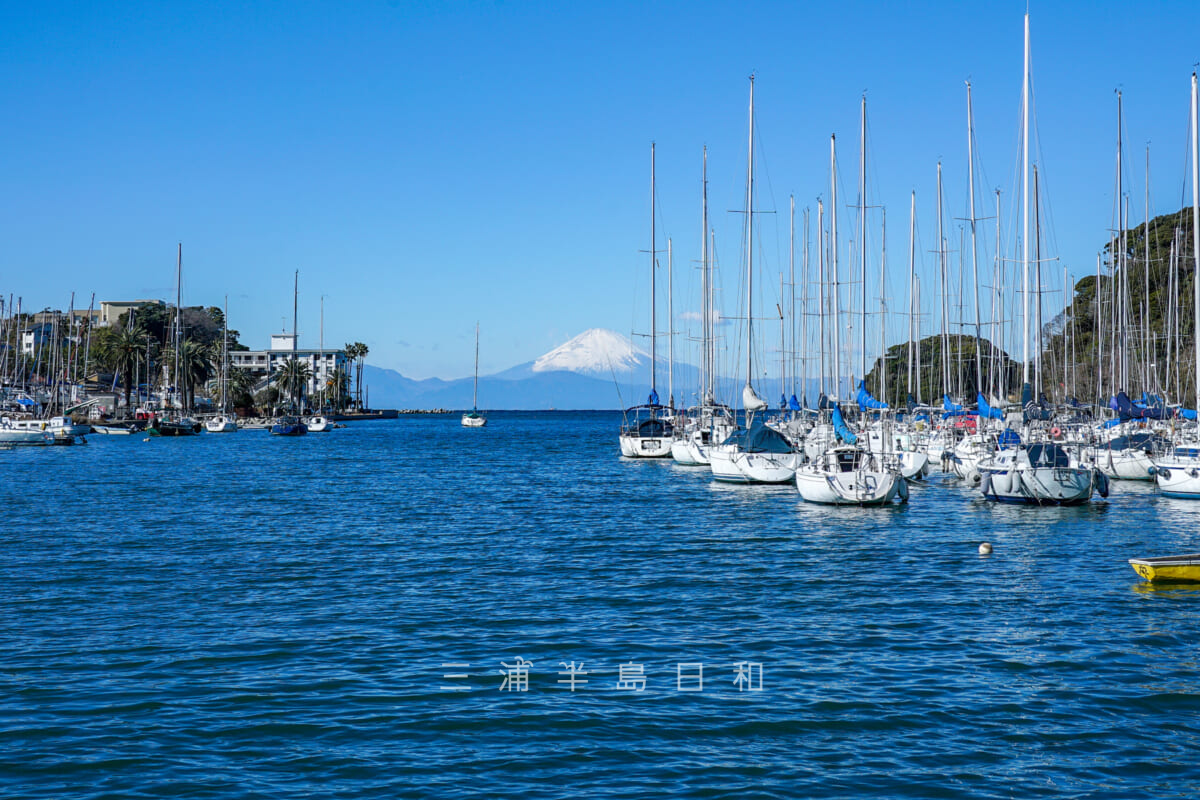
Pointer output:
251, 616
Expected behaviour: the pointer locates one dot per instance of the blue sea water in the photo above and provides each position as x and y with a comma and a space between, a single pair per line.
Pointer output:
241, 615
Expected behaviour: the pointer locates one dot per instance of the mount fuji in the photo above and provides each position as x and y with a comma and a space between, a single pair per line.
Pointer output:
598, 369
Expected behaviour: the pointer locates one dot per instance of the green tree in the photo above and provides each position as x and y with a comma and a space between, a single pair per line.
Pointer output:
337, 388
292, 376
119, 350
356, 352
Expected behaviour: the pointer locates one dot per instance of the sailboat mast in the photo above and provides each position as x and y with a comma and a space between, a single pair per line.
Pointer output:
803, 320
821, 304
1147, 347
912, 273
1025, 212
862, 234
997, 329
1099, 339
944, 288
295, 371
974, 248
1037, 240
750, 242
1122, 319
653, 296
837, 361
225, 359
883, 309
1196, 234
792, 282
670, 327
178, 333
475, 390
705, 365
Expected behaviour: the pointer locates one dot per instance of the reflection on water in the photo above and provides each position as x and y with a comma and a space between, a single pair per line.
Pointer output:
251, 615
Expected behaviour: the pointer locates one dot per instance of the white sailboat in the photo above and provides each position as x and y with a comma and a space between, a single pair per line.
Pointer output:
647, 430
844, 471
759, 453
223, 422
473, 419
1039, 473
1179, 475
708, 423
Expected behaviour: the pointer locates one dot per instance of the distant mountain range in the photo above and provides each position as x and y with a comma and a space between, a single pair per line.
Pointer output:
598, 369
575, 375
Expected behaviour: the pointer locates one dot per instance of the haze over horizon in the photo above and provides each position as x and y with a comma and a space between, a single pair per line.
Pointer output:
427, 167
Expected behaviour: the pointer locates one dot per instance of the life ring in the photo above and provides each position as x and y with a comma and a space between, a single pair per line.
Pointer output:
1056, 432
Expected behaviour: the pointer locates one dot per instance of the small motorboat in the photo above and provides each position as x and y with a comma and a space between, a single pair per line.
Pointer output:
1168, 569
318, 424
221, 423
287, 426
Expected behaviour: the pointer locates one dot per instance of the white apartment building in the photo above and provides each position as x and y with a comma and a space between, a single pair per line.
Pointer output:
263, 363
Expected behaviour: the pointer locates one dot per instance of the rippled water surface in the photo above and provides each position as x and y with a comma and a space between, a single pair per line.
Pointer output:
252, 616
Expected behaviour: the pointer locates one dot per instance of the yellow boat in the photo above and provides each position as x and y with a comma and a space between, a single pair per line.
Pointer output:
1168, 569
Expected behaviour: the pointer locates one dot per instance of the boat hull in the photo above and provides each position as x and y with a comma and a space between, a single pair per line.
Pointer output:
473, 421
221, 424
1168, 569
645, 447
10, 436
732, 465
848, 488
173, 429
1059, 486
1178, 479
1124, 465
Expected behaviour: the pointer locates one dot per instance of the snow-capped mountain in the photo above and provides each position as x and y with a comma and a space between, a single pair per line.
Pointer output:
598, 369
596, 351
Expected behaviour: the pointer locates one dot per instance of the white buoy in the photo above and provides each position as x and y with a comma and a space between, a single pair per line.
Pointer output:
985, 549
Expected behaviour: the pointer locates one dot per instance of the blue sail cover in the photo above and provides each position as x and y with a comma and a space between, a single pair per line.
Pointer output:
866, 399
1008, 438
1126, 409
793, 403
760, 438
1187, 413
653, 399
839, 427
948, 406
987, 411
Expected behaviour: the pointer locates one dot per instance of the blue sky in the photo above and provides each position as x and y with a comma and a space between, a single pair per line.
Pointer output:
425, 166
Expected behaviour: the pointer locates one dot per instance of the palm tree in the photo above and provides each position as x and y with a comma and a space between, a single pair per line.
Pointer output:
195, 368
337, 385
356, 352
120, 350
240, 384
293, 374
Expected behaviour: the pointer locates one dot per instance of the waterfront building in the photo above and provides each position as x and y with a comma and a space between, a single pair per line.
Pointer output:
264, 363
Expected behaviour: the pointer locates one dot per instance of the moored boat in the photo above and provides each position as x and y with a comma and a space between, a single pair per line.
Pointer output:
221, 423
1168, 569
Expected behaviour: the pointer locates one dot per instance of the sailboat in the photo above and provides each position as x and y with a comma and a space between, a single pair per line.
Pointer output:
758, 453
291, 424
224, 421
1179, 474
647, 429
709, 422
176, 423
1039, 473
845, 472
473, 419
